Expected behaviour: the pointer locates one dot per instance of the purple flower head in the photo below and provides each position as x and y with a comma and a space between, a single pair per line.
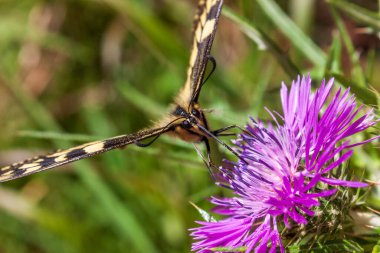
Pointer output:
284, 169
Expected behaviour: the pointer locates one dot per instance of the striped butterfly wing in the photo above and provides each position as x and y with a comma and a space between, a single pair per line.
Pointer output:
61, 157
204, 29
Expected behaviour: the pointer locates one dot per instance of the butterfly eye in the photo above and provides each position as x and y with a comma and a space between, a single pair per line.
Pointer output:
196, 113
186, 124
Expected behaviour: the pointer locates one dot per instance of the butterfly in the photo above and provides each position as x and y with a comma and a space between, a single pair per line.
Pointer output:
185, 119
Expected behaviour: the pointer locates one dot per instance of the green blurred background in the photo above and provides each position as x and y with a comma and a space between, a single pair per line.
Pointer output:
72, 71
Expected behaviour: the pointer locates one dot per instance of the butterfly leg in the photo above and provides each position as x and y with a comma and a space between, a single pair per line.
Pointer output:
211, 59
208, 150
143, 145
219, 132
207, 161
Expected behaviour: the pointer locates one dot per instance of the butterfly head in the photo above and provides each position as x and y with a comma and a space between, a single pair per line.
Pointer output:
189, 120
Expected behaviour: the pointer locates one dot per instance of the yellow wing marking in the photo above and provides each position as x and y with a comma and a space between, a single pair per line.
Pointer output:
204, 28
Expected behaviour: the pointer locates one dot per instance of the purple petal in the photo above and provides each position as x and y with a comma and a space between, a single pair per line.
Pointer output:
353, 184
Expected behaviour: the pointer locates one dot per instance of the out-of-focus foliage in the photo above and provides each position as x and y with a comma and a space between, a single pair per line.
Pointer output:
73, 71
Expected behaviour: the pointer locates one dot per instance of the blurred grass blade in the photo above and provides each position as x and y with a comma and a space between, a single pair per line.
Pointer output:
151, 27
283, 58
35, 111
145, 104
58, 136
111, 205
246, 28
302, 12
363, 16
99, 124
40, 238
300, 40
371, 62
261, 87
264, 41
352, 246
357, 69
363, 93
334, 55
329, 246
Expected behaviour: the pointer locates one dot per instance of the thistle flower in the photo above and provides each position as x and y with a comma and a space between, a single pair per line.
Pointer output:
284, 170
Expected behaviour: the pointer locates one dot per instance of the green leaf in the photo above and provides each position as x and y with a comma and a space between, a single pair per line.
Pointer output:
226, 249
205, 215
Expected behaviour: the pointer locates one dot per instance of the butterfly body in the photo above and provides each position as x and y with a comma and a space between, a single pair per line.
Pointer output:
187, 124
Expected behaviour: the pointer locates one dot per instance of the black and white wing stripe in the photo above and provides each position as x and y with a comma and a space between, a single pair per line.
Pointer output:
61, 157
